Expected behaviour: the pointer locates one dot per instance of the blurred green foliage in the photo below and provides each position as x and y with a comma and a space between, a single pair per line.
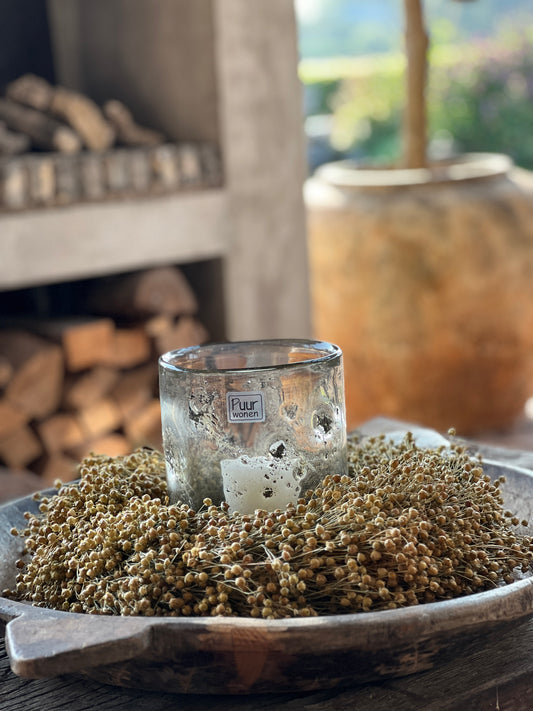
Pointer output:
486, 104
479, 97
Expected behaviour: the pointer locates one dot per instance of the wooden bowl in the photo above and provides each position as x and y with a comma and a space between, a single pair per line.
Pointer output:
240, 655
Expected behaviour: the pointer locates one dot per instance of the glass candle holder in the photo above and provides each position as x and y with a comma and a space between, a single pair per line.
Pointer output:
255, 424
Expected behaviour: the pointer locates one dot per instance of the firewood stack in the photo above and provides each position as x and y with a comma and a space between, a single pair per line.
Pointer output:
58, 147
90, 384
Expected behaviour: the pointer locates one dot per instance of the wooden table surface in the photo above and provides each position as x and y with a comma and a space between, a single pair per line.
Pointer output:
497, 676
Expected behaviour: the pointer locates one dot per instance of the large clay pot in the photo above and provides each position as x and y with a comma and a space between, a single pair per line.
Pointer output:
425, 280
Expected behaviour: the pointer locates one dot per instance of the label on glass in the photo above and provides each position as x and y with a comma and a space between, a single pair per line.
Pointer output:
245, 407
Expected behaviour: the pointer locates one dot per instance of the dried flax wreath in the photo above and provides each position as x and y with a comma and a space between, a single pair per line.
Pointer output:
407, 525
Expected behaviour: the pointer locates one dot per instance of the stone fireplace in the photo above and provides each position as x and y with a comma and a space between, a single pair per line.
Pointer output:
216, 72
223, 72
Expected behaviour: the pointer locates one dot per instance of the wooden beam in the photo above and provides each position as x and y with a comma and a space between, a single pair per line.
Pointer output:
416, 47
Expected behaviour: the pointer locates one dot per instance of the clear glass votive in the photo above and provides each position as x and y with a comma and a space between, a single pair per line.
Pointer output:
255, 424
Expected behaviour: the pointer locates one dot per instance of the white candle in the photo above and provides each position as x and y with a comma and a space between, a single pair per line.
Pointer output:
252, 483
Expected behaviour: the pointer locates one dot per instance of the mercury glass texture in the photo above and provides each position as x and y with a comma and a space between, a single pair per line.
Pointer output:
255, 424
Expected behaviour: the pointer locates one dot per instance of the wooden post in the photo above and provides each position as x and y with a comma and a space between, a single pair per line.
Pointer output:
416, 46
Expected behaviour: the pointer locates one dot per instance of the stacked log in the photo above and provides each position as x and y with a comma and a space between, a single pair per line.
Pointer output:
58, 147
73, 386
